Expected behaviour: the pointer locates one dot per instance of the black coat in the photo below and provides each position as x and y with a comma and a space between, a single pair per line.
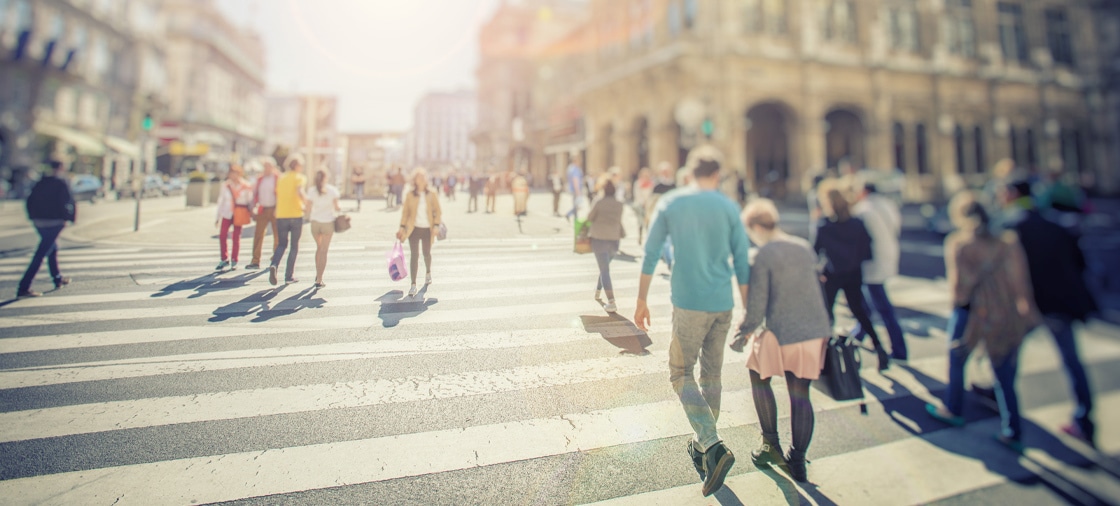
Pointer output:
1057, 267
50, 199
846, 244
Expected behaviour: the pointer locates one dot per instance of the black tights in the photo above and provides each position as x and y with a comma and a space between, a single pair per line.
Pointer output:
802, 410
420, 236
852, 285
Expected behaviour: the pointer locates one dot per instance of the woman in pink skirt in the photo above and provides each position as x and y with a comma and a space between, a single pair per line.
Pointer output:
784, 333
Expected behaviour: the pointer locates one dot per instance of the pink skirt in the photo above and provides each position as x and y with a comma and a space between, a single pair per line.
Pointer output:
768, 358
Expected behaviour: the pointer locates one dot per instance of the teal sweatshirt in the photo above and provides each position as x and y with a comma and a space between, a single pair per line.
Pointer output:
707, 238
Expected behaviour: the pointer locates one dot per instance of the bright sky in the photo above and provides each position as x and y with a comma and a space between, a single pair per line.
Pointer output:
378, 56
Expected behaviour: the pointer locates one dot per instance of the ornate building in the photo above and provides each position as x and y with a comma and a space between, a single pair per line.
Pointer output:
939, 89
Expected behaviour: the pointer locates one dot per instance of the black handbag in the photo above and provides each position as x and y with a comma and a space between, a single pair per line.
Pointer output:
840, 376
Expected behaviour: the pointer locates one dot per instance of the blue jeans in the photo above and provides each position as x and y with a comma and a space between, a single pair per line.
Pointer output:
285, 228
1061, 326
1005, 371
877, 294
48, 248
604, 251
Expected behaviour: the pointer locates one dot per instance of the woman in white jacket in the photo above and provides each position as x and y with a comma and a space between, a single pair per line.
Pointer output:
233, 213
884, 224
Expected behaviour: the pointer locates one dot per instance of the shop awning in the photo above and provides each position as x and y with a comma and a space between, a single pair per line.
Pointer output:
122, 146
83, 143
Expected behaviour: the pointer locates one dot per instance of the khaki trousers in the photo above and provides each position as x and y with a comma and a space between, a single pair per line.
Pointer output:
266, 218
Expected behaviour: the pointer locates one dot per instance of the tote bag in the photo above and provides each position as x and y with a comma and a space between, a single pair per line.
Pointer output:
397, 268
840, 376
582, 237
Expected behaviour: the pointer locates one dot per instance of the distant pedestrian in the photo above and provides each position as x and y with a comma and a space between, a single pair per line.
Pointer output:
1057, 272
813, 203
843, 241
883, 220
449, 185
396, 186
49, 206
358, 179
491, 194
784, 332
666, 182
234, 202
264, 204
420, 219
556, 182
704, 227
606, 232
323, 200
475, 185
642, 193
290, 201
519, 187
990, 285
575, 187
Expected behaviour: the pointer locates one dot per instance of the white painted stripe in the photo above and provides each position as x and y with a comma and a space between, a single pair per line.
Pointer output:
107, 416
310, 300
197, 362
16, 231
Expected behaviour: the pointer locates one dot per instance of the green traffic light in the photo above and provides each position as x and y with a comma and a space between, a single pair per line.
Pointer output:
707, 127
147, 125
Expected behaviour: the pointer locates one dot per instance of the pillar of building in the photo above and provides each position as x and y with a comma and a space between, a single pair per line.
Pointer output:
625, 148
662, 139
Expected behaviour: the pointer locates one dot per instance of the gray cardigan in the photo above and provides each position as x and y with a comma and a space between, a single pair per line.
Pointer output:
786, 292
606, 220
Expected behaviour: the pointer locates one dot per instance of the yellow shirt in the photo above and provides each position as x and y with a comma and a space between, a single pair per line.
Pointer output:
288, 203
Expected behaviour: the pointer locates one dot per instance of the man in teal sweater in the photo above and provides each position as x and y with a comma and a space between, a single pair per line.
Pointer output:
705, 231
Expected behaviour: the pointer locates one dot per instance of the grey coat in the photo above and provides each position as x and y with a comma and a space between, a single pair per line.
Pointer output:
785, 293
606, 220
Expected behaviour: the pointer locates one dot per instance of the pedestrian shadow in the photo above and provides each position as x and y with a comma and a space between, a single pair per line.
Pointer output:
625, 257
209, 283
794, 494
1038, 465
919, 323
620, 332
305, 299
249, 305
396, 306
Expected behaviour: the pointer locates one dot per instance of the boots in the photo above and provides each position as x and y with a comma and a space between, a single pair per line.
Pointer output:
769, 454
796, 462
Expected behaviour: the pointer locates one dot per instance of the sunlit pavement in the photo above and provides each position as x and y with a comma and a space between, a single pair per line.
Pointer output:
152, 379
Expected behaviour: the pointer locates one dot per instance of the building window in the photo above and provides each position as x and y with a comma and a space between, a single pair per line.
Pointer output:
673, 18
840, 22
1012, 32
904, 29
690, 12
899, 134
1058, 37
960, 29
1032, 150
1072, 153
958, 147
978, 148
921, 149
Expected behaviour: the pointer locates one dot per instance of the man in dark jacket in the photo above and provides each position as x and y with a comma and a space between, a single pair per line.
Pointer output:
49, 206
1057, 268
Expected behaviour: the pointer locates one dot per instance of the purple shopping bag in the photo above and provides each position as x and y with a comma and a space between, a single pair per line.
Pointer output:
397, 268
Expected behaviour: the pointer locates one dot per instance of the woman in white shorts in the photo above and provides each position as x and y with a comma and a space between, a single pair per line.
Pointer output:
323, 199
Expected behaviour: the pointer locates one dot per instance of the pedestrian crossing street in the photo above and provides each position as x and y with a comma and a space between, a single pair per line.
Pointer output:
153, 380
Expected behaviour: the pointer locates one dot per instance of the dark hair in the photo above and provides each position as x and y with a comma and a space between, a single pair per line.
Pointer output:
609, 189
1021, 187
320, 181
705, 168
976, 211
870, 188
841, 209
56, 164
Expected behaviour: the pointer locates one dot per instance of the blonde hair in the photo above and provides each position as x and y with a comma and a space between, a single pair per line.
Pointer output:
761, 213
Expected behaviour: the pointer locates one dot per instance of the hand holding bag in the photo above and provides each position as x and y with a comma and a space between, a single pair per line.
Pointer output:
341, 223
441, 234
398, 270
583, 237
840, 376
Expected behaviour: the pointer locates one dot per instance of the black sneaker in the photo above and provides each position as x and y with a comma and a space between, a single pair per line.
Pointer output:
272, 275
697, 457
717, 462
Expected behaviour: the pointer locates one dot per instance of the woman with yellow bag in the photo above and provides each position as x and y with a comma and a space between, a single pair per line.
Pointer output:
233, 213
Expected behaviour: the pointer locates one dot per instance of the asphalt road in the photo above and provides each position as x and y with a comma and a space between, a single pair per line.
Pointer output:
154, 380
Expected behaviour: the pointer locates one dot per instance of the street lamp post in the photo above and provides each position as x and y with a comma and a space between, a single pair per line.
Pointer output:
138, 188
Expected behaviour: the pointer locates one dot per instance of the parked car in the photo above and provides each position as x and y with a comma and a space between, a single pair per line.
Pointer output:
151, 186
85, 187
174, 186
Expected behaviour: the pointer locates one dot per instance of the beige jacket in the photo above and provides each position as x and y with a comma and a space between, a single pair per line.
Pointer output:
412, 203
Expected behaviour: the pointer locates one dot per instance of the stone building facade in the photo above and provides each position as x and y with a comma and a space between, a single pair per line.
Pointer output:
442, 123
938, 89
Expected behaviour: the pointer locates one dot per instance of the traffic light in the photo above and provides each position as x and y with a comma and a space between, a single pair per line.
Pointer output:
707, 127
147, 124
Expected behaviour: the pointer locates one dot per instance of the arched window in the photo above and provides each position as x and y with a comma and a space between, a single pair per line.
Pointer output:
921, 149
978, 148
958, 146
899, 134
690, 12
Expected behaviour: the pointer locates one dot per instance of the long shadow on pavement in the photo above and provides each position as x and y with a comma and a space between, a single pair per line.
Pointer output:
908, 411
305, 299
209, 283
620, 332
253, 303
396, 306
